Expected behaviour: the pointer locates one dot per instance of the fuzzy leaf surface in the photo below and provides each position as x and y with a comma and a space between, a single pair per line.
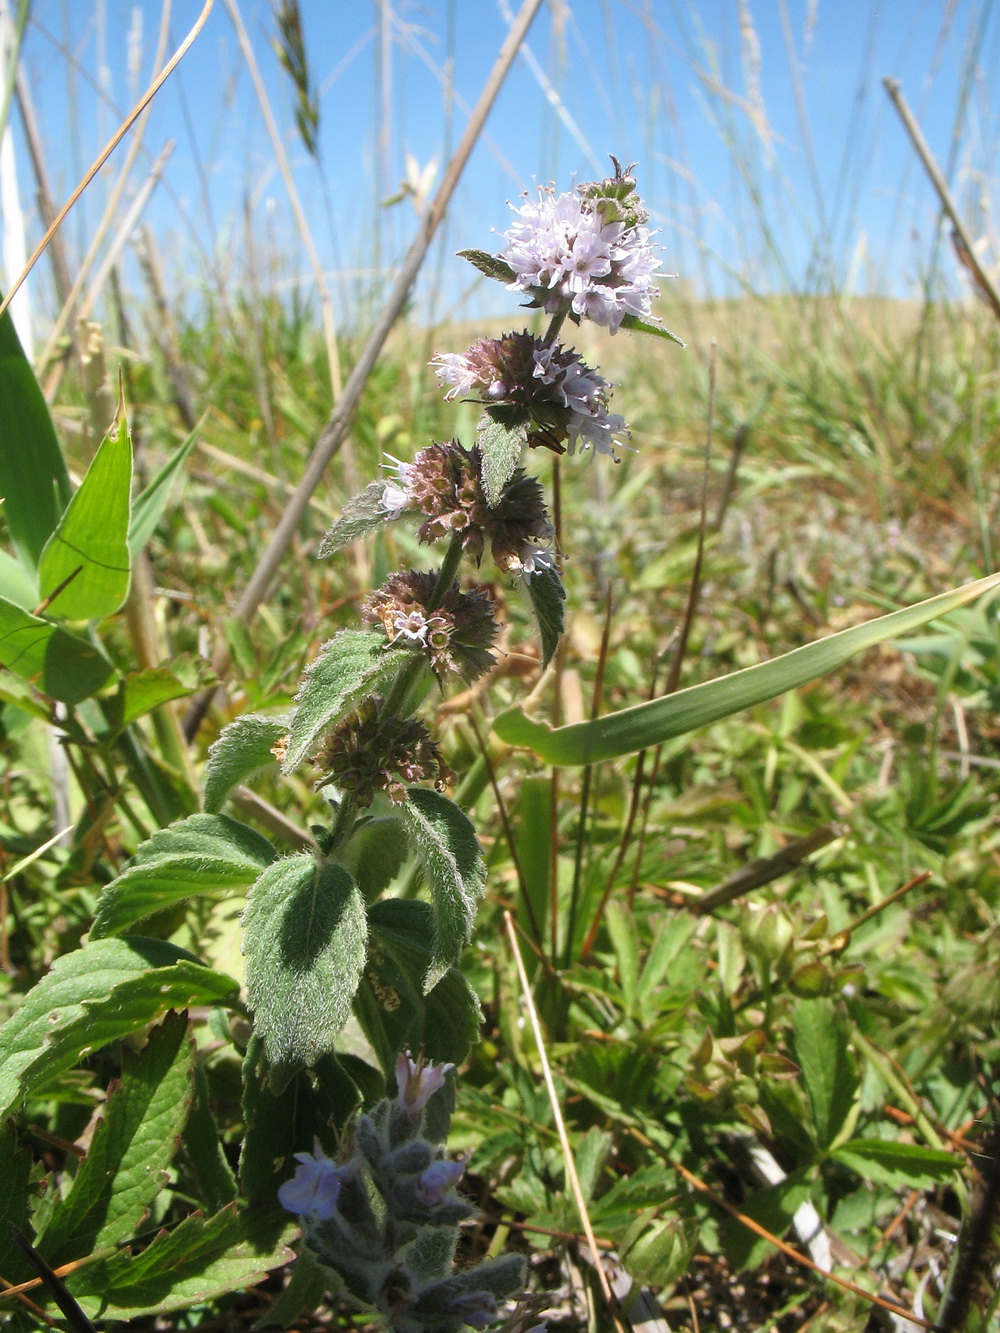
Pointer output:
351, 666
134, 1143
57, 663
361, 514
200, 854
547, 595
648, 724
198, 1259
490, 265
391, 1003
445, 842
85, 567
34, 483
500, 445
95, 995
304, 935
244, 747
638, 325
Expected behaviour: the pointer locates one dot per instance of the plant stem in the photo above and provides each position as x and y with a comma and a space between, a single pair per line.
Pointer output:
342, 824
555, 324
447, 572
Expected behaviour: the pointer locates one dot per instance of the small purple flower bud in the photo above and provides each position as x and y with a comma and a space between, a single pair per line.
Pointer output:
417, 1083
437, 1180
314, 1189
477, 1308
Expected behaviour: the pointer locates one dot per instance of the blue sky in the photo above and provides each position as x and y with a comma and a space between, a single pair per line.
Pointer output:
768, 152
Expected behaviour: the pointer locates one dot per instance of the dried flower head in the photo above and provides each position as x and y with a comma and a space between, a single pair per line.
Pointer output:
444, 483
456, 635
368, 753
522, 380
585, 251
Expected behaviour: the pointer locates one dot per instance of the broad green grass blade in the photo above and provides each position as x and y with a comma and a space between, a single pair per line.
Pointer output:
85, 566
17, 583
59, 664
636, 728
34, 483
149, 506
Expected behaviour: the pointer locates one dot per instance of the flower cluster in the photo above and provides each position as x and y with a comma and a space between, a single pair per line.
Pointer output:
370, 1217
456, 634
369, 752
585, 251
545, 386
444, 483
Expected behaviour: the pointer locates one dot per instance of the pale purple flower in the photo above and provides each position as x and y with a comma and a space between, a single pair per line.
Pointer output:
454, 369
395, 496
417, 1083
434, 1183
414, 626
536, 560
566, 250
315, 1188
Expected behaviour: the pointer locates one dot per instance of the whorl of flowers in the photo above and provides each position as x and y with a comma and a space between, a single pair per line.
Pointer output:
444, 483
456, 635
369, 752
586, 250
548, 387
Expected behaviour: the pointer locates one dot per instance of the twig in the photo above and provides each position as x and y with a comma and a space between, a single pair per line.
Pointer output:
766, 868
557, 1115
340, 418
969, 256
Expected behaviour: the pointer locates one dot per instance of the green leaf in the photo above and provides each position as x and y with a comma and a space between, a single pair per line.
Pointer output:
279, 1123
15, 1172
34, 483
362, 514
624, 933
304, 939
828, 1071
547, 595
351, 666
203, 1147
133, 1144
17, 585
199, 1259
139, 692
500, 445
305, 1291
54, 661
491, 265
644, 725
85, 566
243, 748
638, 325
149, 506
96, 995
200, 854
376, 853
446, 845
391, 1005
656, 1251
899, 1165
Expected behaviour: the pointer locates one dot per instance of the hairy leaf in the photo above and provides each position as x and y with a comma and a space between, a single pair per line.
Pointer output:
349, 668
134, 1143
638, 325
637, 728
362, 514
445, 842
500, 446
93, 996
547, 597
85, 567
244, 747
391, 1004
491, 265
304, 938
200, 854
